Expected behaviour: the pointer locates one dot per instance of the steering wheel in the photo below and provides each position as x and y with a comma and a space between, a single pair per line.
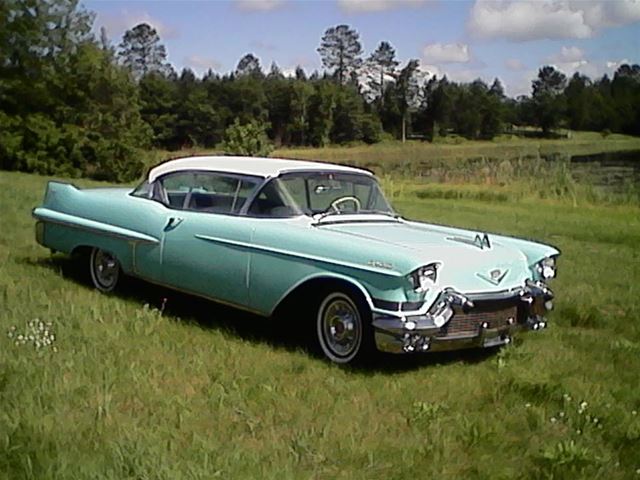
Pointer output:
338, 201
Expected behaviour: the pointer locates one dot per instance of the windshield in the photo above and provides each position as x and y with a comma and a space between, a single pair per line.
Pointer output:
313, 193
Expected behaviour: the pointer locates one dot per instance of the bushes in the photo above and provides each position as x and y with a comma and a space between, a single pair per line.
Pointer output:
249, 139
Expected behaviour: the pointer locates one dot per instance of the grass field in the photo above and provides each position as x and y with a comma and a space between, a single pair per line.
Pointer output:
505, 147
150, 384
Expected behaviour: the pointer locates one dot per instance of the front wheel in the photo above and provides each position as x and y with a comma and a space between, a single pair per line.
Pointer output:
104, 269
343, 328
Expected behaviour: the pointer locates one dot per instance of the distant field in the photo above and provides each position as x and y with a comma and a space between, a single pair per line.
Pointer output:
143, 388
504, 147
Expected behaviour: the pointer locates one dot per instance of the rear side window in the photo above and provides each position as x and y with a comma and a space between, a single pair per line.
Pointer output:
207, 191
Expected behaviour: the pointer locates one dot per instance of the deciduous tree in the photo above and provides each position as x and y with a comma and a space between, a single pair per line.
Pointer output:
249, 65
548, 101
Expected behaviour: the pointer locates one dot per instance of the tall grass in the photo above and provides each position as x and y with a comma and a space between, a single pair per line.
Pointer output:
149, 383
504, 147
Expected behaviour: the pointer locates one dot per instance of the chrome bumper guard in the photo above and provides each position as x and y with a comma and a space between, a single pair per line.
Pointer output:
422, 333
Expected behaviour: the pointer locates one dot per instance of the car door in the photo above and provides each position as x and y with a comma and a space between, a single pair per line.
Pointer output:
204, 243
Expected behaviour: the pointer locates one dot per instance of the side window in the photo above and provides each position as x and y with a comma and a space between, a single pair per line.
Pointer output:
143, 190
207, 191
273, 201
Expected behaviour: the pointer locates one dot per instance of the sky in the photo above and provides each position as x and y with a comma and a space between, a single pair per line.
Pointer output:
464, 39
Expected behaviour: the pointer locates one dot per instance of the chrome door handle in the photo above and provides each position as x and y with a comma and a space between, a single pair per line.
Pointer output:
173, 223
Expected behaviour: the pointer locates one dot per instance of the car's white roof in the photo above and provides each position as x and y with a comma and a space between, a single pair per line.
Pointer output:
258, 166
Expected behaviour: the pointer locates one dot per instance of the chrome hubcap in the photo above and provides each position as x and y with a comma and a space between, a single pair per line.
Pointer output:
105, 268
341, 327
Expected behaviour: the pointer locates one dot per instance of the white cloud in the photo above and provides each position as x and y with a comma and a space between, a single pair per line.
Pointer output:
117, 24
358, 6
446, 53
613, 64
571, 60
289, 72
259, 5
549, 19
430, 70
521, 85
568, 54
465, 75
514, 64
201, 64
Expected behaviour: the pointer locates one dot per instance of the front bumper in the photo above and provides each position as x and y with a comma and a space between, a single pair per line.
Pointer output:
457, 321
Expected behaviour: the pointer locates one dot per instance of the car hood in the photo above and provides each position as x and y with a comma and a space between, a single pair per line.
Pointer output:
471, 261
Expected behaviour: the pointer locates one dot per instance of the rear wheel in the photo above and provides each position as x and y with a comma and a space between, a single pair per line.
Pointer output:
105, 270
343, 328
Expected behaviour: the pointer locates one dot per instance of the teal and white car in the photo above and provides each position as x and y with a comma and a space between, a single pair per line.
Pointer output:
260, 233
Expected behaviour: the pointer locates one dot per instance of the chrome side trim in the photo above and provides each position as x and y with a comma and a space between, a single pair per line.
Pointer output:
51, 216
201, 295
287, 253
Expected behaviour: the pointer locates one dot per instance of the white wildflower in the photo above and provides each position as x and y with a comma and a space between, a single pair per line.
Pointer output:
553, 420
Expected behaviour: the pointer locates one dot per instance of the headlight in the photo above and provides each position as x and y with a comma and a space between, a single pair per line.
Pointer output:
424, 277
547, 268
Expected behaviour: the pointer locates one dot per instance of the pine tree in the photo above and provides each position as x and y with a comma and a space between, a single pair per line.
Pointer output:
141, 51
384, 60
340, 50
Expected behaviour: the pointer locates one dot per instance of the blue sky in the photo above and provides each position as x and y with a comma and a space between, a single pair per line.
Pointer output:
464, 39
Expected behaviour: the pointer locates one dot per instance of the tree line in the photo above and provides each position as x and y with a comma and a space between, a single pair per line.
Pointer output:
73, 104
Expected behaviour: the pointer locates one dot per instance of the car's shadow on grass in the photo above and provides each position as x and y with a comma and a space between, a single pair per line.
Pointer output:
286, 330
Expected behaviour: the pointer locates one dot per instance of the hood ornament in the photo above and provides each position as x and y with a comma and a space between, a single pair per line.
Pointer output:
494, 277
480, 241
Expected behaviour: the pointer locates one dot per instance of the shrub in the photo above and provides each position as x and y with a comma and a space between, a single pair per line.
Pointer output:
249, 139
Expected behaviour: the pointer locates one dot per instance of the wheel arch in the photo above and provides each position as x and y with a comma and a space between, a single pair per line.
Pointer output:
322, 281
81, 250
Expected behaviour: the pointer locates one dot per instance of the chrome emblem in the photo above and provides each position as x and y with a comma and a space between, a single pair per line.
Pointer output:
480, 241
379, 264
495, 276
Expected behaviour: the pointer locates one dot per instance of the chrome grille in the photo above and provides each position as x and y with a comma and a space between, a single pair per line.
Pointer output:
467, 324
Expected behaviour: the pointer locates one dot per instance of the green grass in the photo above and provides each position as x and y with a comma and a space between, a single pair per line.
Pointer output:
391, 155
188, 389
